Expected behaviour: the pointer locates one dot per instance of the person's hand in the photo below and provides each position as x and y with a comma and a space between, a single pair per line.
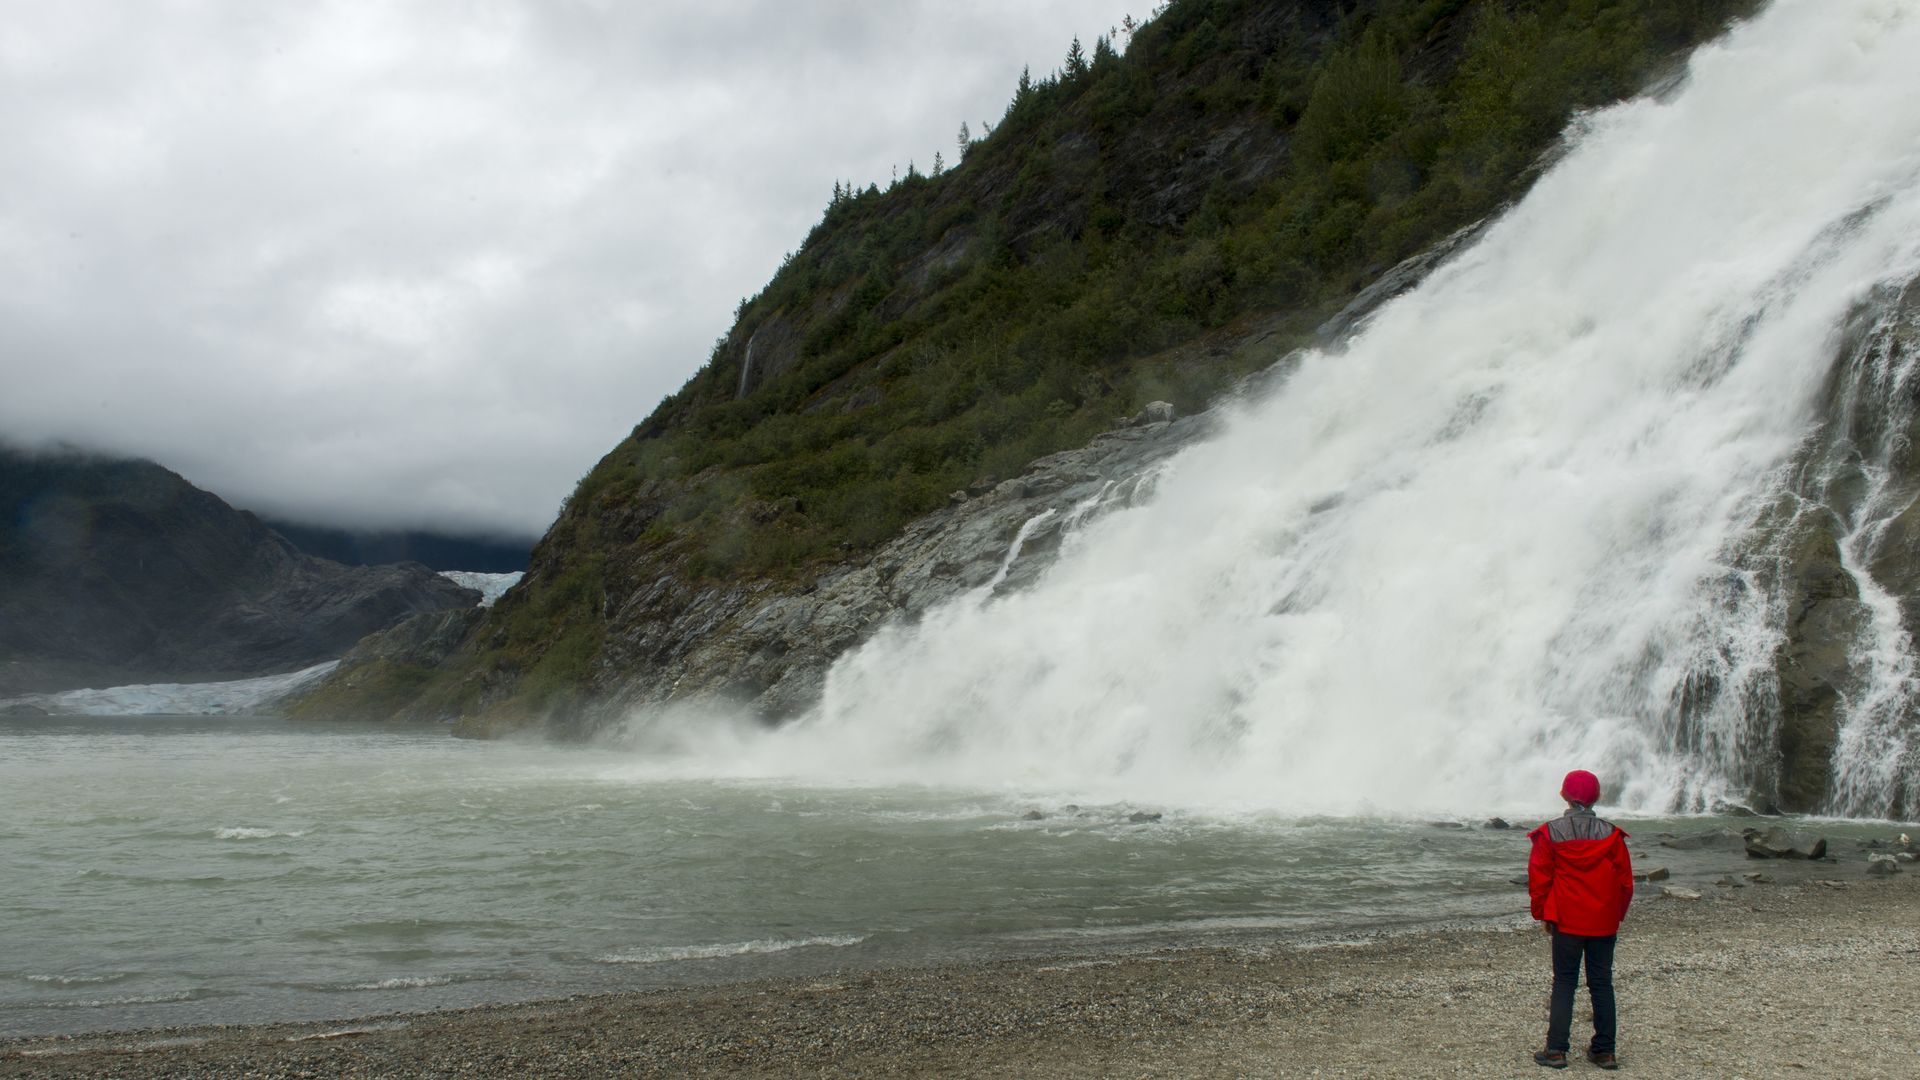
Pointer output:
1547, 926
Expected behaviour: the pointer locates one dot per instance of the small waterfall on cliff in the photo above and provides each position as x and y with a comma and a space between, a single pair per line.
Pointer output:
1518, 524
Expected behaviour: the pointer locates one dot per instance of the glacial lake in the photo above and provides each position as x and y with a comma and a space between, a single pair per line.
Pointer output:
170, 870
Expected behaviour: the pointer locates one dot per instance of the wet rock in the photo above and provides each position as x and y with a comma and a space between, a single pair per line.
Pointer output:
1395, 281
1497, 823
1447, 824
1883, 865
1778, 843
1032, 815
1711, 840
1675, 892
1657, 874
1815, 663
1142, 817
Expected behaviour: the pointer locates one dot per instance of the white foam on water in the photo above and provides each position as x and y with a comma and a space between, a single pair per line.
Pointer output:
247, 833
404, 982
1497, 536
661, 954
109, 1002
78, 980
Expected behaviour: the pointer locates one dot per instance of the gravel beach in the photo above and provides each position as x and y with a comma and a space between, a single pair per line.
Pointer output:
1815, 973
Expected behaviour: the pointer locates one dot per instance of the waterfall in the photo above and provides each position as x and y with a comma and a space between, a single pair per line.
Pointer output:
1518, 524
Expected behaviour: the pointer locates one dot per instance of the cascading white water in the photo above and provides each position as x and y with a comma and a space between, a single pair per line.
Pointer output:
1498, 535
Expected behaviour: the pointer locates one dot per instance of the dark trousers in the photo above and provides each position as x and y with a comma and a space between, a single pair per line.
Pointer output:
1569, 950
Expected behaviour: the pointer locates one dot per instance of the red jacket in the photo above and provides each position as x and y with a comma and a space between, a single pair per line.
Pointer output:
1580, 875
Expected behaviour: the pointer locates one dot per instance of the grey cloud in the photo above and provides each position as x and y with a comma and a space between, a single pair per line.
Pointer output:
419, 265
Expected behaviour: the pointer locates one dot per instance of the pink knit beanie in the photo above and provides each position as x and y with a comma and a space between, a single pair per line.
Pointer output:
1581, 786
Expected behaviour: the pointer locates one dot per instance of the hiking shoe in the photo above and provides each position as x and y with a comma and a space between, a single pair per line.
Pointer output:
1552, 1059
1603, 1059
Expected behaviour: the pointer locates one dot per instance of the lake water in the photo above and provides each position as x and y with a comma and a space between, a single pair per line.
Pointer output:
164, 870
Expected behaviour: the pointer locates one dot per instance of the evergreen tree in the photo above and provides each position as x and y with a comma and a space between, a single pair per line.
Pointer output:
1076, 61
965, 140
939, 166
1103, 53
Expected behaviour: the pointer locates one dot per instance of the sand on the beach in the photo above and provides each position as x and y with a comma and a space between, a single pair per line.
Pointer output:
1796, 978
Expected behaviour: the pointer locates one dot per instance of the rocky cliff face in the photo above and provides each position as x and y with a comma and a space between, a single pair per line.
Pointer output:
117, 571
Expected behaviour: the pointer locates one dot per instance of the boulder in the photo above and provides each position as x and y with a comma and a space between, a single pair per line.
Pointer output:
1711, 840
1883, 865
1656, 874
1778, 843
1675, 892
1497, 823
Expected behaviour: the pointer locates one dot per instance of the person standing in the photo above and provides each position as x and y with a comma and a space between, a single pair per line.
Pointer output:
1580, 879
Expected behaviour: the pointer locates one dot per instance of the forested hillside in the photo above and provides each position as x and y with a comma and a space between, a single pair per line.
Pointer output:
1166, 212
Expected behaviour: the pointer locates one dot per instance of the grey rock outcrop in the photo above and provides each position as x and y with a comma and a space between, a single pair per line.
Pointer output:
1815, 664
767, 646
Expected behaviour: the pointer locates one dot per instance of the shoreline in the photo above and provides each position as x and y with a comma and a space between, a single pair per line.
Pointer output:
1799, 978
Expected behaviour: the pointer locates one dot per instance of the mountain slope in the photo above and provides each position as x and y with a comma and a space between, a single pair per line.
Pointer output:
1139, 227
116, 571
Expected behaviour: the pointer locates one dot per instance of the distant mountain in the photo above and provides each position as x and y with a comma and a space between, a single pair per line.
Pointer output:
115, 571
438, 551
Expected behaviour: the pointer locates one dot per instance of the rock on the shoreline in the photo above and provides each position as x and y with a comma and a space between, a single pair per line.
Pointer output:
1713, 839
1883, 865
1675, 892
1778, 843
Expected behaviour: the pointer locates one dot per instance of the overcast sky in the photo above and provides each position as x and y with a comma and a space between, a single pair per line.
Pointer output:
420, 264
